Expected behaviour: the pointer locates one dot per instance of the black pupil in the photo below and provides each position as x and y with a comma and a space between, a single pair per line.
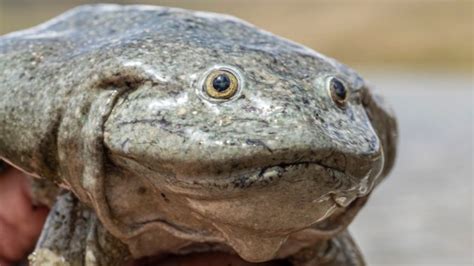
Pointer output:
221, 83
339, 89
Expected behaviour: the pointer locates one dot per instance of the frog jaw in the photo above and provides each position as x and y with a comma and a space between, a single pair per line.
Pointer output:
254, 227
257, 248
250, 245
244, 220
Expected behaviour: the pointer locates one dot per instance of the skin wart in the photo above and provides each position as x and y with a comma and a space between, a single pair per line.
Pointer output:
174, 132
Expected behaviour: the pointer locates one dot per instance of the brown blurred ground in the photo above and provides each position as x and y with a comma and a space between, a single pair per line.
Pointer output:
419, 33
420, 54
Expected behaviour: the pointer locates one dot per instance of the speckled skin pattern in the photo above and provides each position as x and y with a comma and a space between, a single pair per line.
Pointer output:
106, 101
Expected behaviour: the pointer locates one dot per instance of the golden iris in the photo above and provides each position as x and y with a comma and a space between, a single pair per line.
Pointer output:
221, 84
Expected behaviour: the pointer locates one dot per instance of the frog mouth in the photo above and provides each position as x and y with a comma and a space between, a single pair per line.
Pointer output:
254, 179
345, 191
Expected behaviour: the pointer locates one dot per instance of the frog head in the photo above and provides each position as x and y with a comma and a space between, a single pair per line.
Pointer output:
223, 133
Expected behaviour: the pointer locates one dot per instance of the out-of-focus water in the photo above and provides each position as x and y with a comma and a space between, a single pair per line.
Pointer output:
422, 214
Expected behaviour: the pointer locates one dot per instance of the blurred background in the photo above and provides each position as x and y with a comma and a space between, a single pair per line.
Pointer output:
420, 56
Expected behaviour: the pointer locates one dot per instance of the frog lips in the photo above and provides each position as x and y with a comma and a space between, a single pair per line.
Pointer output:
239, 181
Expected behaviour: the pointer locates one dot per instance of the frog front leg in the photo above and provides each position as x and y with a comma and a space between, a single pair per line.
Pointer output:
73, 235
339, 250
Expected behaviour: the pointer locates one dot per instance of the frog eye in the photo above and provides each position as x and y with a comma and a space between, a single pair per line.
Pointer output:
221, 84
338, 91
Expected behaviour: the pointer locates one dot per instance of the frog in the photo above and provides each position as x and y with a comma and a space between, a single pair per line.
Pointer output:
159, 131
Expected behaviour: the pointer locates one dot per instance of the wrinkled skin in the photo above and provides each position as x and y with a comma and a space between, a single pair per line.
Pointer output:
111, 107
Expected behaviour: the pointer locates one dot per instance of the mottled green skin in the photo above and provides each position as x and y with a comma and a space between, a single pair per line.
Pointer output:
107, 102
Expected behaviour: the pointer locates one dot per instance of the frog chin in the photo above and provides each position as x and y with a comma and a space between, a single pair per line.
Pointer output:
257, 213
255, 246
264, 245
259, 223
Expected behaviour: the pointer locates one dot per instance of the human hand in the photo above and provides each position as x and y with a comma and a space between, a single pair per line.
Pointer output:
20, 221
